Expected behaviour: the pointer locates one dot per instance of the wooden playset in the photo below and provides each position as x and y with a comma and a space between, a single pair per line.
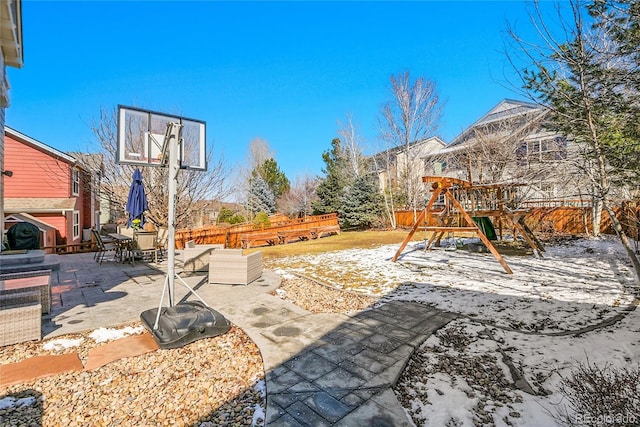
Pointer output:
457, 206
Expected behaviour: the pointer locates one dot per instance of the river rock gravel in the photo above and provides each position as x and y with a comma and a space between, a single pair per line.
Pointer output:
212, 382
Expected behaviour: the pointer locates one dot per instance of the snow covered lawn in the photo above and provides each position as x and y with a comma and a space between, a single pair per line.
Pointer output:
545, 319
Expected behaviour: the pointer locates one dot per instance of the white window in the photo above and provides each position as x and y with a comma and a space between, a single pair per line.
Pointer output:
75, 182
76, 225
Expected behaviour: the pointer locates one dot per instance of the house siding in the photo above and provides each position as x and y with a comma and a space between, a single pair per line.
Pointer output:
39, 173
2, 168
35, 174
57, 221
4, 88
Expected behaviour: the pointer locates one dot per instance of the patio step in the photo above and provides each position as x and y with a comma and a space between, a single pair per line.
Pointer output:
9, 264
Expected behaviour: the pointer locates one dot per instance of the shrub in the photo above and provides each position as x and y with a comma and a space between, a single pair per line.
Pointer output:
601, 396
261, 219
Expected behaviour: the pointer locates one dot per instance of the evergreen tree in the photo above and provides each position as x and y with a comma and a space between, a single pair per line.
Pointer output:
261, 220
330, 189
362, 205
273, 176
227, 216
260, 198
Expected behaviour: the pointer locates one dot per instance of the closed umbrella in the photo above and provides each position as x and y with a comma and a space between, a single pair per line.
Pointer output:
137, 200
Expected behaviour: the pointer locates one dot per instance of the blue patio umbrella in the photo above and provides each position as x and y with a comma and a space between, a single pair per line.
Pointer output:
137, 200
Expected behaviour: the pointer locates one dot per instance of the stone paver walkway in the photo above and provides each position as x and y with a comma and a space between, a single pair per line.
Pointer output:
321, 369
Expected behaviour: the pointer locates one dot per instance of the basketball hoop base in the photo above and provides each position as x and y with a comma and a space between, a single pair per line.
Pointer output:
184, 323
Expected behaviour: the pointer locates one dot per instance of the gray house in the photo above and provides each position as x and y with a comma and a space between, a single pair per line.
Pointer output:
510, 144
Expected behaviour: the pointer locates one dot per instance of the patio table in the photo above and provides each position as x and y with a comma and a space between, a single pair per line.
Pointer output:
125, 245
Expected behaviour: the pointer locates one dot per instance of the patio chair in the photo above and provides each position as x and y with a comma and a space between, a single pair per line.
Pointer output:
144, 243
103, 247
161, 241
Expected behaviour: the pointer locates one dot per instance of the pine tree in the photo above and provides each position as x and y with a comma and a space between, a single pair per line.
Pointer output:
362, 205
270, 172
331, 188
260, 198
588, 83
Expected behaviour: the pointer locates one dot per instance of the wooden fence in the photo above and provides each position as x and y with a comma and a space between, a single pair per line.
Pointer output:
564, 219
230, 235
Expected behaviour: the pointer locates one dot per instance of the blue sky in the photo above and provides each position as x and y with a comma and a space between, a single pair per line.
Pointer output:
285, 72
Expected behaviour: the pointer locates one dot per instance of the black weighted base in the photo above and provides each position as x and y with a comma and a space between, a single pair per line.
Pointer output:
184, 323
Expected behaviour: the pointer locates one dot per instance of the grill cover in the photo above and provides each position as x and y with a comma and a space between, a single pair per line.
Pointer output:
24, 235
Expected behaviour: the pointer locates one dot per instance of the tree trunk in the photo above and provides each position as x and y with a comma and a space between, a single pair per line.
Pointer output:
596, 215
624, 239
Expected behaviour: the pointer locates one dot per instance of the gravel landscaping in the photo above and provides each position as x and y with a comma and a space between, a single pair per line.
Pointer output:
211, 382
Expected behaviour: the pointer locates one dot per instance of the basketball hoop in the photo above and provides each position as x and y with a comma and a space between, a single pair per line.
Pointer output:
148, 138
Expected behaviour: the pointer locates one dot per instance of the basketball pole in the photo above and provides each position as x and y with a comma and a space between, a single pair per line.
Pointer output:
174, 144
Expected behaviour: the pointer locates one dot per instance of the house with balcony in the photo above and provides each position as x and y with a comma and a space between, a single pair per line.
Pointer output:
510, 144
53, 187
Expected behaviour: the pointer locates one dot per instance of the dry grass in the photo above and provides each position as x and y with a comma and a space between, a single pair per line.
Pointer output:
342, 241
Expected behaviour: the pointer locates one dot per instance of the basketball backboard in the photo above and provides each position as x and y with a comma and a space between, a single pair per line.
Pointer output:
142, 141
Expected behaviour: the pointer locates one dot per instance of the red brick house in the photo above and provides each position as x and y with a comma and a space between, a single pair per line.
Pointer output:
49, 185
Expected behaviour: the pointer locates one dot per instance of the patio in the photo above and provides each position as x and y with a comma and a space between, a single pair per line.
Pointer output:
86, 295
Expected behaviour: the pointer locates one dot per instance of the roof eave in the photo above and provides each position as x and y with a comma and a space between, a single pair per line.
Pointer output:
11, 33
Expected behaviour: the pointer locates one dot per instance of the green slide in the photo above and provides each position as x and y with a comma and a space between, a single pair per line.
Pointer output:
484, 223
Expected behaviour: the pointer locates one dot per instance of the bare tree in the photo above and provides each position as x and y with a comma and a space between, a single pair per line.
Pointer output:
412, 115
297, 201
514, 148
353, 147
259, 152
193, 186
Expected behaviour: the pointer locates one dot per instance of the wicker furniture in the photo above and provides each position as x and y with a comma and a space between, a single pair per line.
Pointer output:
20, 317
196, 257
14, 284
231, 267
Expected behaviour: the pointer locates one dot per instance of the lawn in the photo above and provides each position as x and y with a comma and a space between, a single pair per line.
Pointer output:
339, 242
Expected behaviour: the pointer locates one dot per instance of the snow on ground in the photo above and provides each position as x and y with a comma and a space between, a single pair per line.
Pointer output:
526, 318
109, 334
99, 335
572, 286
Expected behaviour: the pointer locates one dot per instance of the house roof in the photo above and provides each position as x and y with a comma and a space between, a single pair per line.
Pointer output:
505, 108
39, 145
401, 148
11, 32
39, 204
25, 217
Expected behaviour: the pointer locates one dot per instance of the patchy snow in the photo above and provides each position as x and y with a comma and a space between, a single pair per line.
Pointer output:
571, 286
545, 318
259, 413
62, 343
109, 334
